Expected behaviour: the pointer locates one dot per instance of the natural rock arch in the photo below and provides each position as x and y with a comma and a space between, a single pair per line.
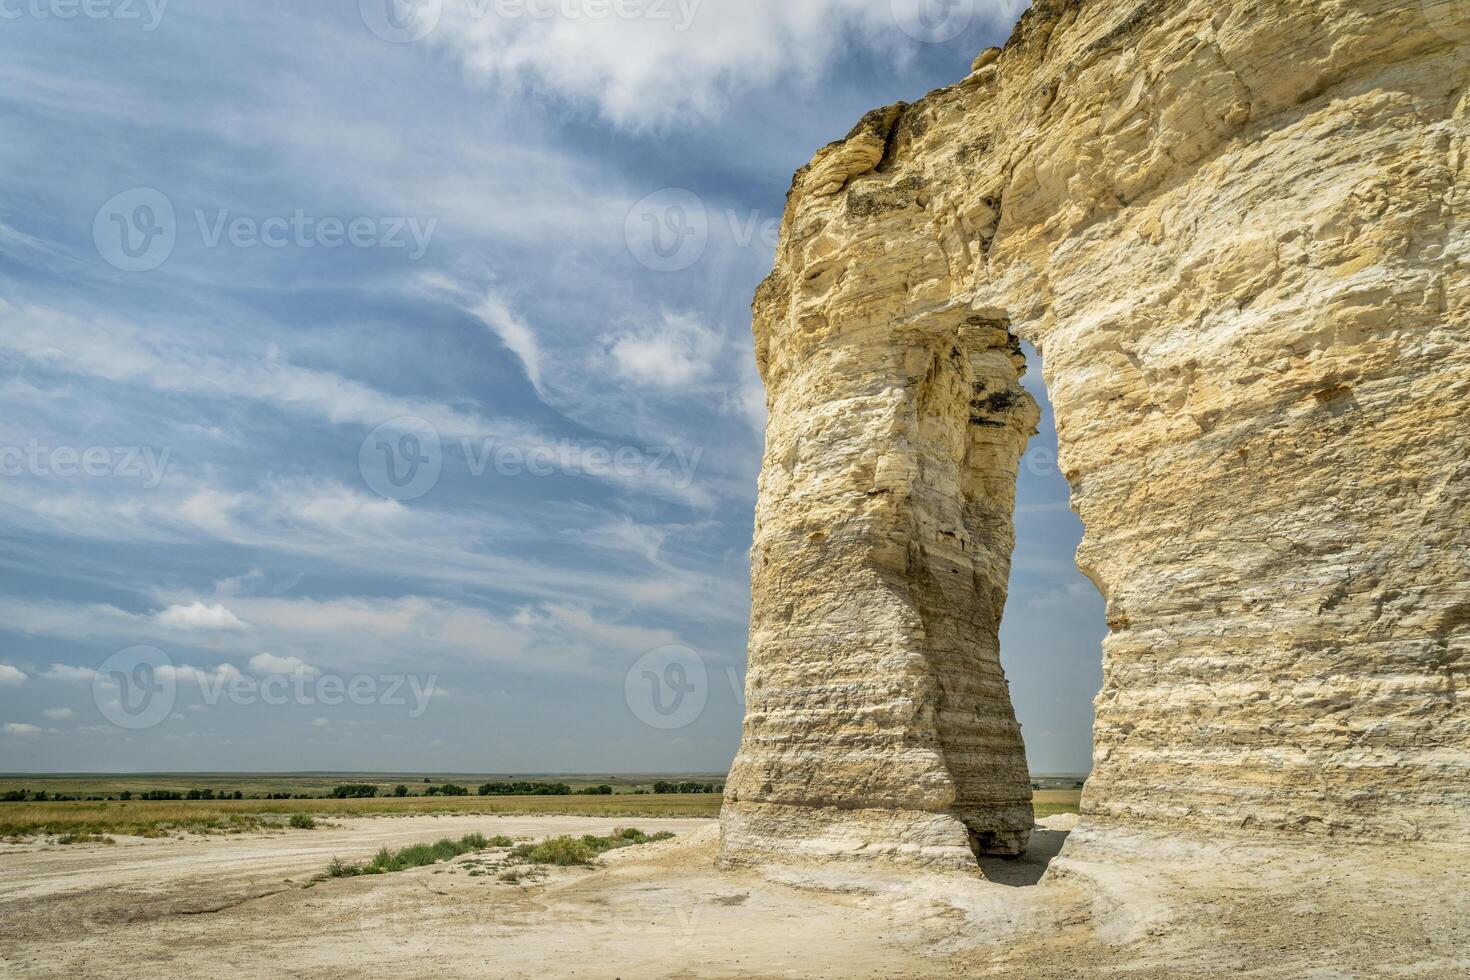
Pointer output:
1237, 231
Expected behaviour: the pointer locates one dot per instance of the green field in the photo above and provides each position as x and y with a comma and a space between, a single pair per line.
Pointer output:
167, 817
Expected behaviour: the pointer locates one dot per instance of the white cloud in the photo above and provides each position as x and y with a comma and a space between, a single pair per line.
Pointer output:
120, 351
10, 675
268, 663
331, 523
198, 616
674, 353
16, 728
514, 333
59, 714
412, 632
65, 672
184, 673
654, 69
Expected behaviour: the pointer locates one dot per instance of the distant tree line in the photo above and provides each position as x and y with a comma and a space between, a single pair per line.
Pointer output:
364, 791
662, 787
525, 789
42, 796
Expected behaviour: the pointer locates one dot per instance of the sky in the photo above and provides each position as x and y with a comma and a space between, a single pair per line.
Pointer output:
376, 382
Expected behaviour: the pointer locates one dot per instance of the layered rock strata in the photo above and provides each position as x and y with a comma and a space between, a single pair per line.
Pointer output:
1237, 233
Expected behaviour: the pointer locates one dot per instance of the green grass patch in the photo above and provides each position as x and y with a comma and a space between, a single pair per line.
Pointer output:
568, 851
526, 861
302, 821
387, 861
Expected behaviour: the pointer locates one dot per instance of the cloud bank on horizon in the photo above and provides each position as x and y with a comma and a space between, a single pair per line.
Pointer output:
409, 339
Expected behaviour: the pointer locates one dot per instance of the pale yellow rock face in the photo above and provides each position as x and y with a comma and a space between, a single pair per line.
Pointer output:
1237, 232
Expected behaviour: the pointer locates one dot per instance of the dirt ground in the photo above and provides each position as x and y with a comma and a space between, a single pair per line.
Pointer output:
1112, 904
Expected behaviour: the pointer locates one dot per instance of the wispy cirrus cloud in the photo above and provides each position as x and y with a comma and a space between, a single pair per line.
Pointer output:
361, 633
685, 60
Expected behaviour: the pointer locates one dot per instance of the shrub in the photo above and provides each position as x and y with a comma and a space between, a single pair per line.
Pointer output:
515, 876
567, 851
356, 791
448, 789
400, 790
413, 856
562, 852
302, 821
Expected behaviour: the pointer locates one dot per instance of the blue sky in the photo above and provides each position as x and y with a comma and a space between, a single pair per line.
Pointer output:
337, 349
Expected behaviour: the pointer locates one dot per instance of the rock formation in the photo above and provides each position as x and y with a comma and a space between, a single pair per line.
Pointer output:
1237, 233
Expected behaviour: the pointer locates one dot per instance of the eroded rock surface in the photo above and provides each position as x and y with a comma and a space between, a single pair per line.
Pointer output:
1237, 232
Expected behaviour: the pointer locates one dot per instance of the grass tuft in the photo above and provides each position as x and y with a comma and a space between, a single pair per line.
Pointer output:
569, 851
414, 856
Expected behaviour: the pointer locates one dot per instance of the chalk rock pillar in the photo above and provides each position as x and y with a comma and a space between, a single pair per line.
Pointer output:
879, 722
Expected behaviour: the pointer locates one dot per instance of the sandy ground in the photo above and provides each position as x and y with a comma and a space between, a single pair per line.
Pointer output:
1112, 904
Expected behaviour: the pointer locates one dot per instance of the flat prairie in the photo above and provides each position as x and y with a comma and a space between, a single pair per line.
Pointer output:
1099, 902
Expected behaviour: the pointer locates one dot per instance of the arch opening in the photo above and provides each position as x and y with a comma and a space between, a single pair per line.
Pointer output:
879, 718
